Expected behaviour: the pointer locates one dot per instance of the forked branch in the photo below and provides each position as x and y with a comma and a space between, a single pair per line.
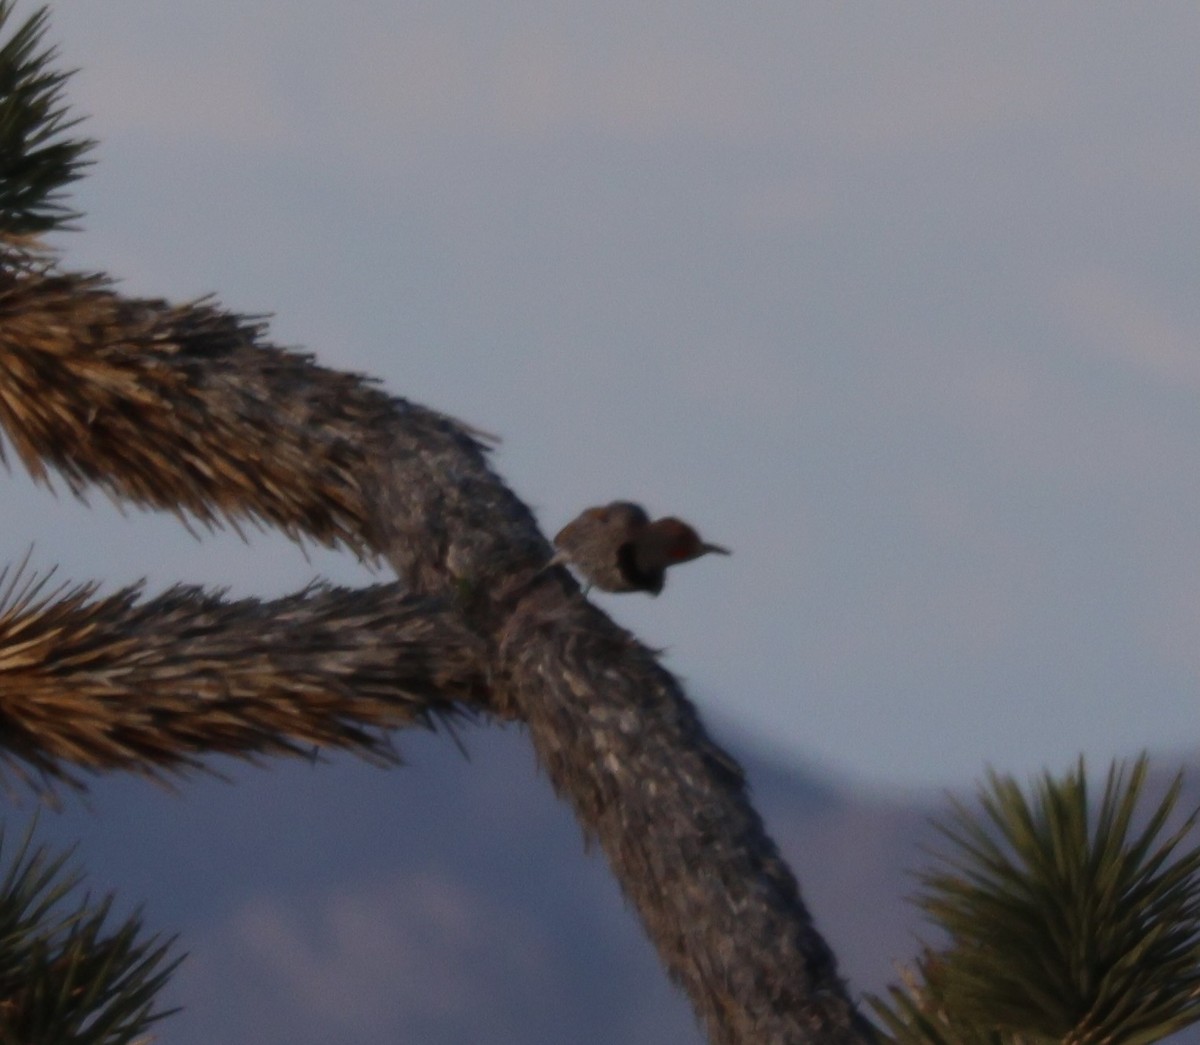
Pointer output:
186, 408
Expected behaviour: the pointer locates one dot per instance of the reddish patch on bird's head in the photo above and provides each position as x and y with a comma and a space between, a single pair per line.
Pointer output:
682, 542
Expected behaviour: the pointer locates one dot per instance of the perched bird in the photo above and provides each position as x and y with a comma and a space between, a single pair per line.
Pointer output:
617, 548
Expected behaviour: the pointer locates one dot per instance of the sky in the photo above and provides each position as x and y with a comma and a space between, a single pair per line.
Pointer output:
896, 301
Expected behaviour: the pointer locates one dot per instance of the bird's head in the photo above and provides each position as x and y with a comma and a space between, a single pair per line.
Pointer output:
673, 541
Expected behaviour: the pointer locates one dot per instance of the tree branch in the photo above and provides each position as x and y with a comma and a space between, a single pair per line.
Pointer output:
184, 408
153, 685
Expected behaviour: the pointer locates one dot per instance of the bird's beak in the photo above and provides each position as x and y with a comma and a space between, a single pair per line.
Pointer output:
716, 548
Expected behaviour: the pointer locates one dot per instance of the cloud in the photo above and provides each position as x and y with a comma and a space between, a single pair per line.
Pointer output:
1126, 326
268, 72
367, 961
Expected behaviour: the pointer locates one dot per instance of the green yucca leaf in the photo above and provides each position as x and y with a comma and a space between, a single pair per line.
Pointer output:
1066, 923
65, 976
38, 158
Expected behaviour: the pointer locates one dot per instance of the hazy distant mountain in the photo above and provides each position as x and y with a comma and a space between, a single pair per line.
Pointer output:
450, 901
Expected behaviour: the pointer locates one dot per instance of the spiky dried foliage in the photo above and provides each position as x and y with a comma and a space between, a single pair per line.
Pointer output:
38, 157
190, 405
65, 975
154, 685
185, 407
1066, 923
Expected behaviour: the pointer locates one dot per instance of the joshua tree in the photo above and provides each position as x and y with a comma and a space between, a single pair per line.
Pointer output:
190, 409
1063, 925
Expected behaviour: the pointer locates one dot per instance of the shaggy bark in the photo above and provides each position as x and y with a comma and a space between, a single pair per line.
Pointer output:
154, 685
184, 408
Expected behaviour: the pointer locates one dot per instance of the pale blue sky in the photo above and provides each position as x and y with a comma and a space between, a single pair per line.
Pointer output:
897, 301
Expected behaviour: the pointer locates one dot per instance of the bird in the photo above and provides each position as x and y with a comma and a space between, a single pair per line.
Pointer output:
616, 547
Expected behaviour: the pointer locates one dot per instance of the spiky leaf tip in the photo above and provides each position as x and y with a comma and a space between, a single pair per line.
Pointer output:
39, 157
65, 974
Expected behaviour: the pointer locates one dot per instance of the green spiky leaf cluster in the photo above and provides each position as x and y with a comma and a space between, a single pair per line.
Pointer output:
38, 157
66, 979
1065, 924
